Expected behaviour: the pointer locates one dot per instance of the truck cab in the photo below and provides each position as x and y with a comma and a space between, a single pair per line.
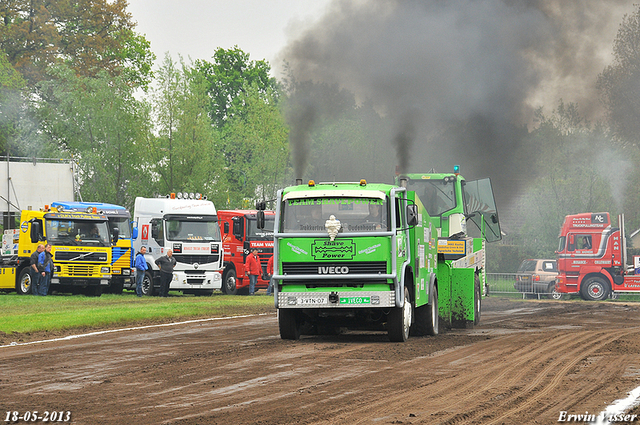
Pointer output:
81, 250
189, 227
240, 234
121, 237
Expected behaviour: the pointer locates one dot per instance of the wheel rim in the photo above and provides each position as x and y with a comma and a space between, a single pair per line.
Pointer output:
595, 290
230, 284
556, 295
25, 283
406, 317
146, 283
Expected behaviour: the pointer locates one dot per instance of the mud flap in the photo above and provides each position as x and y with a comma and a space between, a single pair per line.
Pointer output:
462, 298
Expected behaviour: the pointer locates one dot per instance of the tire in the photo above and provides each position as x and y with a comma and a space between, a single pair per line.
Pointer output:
288, 324
399, 320
477, 300
553, 292
427, 321
23, 285
147, 284
229, 281
594, 289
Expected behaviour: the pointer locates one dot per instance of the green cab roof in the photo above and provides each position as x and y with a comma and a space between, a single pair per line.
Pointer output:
355, 190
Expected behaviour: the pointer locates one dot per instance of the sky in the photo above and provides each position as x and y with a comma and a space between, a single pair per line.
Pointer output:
196, 28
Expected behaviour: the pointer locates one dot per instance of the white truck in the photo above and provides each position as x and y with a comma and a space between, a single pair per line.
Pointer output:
187, 225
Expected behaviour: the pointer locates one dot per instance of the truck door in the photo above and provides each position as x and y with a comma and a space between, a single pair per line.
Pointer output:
480, 208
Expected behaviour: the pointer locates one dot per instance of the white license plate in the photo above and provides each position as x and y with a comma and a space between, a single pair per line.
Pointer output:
319, 300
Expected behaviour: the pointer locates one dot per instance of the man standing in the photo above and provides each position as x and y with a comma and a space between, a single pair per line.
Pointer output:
141, 268
33, 270
45, 267
253, 269
270, 274
166, 264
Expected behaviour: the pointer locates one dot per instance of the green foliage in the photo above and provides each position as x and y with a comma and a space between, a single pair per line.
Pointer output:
618, 83
228, 76
577, 169
88, 35
103, 127
183, 156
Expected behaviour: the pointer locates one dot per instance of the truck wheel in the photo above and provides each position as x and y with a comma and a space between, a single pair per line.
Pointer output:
147, 284
594, 289
399, 320
553, 292
289, 326
477, 301
23, 285
426, 320
229, 283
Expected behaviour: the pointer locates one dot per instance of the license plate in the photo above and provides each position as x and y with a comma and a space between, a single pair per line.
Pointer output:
355, 300
320, 300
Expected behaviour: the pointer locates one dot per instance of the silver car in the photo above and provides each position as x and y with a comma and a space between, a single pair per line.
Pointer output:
537, 276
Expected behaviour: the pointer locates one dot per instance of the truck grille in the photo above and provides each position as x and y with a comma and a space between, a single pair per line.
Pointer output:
356, 267
200, 259
81, 256
73, 270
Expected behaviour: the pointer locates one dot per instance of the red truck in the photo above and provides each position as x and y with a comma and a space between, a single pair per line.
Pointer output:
592, 258
239, 235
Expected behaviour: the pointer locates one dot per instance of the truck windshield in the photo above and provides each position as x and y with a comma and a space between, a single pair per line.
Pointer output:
204, 229
123, 224
255, 234
354, 214
437, 196
77, 232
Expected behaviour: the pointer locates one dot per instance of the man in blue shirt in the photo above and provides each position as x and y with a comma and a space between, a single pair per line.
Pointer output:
45, 267
141, 268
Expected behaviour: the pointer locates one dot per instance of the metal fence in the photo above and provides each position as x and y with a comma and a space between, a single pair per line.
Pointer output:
506, 284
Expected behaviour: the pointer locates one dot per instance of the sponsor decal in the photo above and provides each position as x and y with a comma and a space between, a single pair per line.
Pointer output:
343, 249
370, 249
297, 249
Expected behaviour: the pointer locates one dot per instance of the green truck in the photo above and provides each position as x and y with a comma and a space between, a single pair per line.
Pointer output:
405, 258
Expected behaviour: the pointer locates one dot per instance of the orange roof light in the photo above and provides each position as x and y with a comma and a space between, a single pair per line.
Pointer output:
363, 182
312, 183
173, 195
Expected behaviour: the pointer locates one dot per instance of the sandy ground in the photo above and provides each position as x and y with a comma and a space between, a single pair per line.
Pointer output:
524, 364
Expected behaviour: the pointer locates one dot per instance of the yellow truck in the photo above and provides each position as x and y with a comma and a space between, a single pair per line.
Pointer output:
81, 249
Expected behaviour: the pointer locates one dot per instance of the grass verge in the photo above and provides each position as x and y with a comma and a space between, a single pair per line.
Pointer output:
53, 313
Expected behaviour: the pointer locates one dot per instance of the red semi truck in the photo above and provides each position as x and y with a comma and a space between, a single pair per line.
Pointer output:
592, 258
239, 235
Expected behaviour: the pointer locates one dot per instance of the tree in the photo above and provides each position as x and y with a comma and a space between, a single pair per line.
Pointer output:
88, 35
183, 156
98, 122
255, 149
619, 83
229, 74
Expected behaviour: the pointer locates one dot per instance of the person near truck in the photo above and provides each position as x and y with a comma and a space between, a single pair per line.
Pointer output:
33, 270
270, 274
45, 267
141, 268
166, 264
253, 269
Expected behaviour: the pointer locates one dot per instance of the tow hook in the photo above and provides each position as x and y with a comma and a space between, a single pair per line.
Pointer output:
333, 298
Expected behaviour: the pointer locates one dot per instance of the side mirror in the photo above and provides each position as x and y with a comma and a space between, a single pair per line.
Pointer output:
412, 215
134, 232
116, 235
226, 227
36, 231
154, 231
260, 219
261, 205
238, 228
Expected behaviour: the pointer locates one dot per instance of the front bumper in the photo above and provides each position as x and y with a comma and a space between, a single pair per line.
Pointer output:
192, 280
355, 299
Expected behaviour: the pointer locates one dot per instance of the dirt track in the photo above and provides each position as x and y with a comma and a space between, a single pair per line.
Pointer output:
525, 363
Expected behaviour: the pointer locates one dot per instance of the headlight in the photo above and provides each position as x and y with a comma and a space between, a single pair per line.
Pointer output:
105, 270
126, 272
